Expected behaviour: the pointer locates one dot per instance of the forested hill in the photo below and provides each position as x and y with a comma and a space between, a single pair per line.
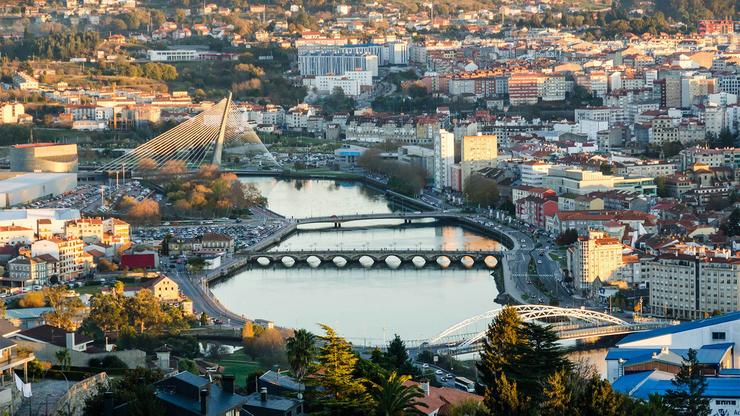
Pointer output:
691, 11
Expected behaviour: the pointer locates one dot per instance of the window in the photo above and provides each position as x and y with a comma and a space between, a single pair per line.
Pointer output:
718, 336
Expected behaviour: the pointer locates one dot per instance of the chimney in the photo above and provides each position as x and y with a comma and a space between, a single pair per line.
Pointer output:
204, 402
227, 383
425, 387
69, 340
108, 403
263, 394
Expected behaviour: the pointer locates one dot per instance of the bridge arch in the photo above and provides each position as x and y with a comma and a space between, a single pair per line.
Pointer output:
530, 313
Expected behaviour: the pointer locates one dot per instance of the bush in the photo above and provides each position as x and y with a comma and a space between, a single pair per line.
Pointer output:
112, 361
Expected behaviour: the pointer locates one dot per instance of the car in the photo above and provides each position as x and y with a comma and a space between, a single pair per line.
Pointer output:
522, 241
425, 365
438, 372
539, 261
449, 376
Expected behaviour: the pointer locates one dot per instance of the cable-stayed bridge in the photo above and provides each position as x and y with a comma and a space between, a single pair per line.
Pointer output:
201, 140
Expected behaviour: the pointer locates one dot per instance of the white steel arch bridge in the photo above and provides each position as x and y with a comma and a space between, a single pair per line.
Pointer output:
569, 323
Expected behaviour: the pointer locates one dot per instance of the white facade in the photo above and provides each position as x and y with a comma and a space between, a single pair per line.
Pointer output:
444, 158
336, 63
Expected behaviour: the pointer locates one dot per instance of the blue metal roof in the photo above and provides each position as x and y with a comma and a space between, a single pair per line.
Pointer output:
686, 326
717, 387
630, 353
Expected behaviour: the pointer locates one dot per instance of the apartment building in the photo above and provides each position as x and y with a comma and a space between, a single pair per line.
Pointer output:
596, 256
68, 257
478, 152
532, 172
336, 63
24, 271
444, 158
690, 286
524, 88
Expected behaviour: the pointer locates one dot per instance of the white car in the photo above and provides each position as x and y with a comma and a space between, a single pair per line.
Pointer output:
425, 365
438, 372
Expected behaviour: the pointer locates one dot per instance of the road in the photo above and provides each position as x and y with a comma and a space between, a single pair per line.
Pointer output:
195, 289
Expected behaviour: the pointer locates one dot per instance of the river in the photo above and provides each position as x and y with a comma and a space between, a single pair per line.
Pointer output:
367, 306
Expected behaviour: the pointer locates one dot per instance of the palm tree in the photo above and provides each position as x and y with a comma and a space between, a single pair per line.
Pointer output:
64, 358
393, 398
301, 351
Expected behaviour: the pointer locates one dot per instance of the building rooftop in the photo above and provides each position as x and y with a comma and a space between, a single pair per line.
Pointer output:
686, 326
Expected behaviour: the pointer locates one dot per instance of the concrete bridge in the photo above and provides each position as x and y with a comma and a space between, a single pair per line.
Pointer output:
392, 258
407, 217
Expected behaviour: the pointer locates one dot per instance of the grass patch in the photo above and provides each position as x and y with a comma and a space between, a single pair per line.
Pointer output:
239, 365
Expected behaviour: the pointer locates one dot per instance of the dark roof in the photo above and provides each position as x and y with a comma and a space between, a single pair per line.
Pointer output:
182, 391
53, 335
273, 402
7, 328
6, 343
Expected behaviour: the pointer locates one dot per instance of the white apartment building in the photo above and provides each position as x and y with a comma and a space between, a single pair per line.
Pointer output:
444, 158
688, 286
336, 63
533, 171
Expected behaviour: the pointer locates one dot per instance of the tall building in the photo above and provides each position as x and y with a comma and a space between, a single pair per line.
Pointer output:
596, 256
336, 63
444, 158
478, 152
66, 256
689, 286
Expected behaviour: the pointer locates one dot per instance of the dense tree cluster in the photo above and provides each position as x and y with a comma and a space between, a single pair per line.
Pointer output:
212, 193
481, 191
402, 177
54, 46
152, 70
144, 212
113, 313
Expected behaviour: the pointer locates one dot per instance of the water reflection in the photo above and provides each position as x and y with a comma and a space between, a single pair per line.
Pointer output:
431, 237
318, 197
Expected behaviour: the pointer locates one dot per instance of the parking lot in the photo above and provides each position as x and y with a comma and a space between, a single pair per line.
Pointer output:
245, 234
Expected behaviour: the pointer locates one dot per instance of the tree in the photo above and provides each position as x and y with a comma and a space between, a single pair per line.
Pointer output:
32, 300
204, 319
65, 308
467, 407
247, 330
661, 188
393, 398
567, 237
63, 358
108, 312
301, 351
731, 227
340, 391
503, 347
133, 390
600, 399
480, 190
396, 358
504, 398
558, 399
268, 347
687, 399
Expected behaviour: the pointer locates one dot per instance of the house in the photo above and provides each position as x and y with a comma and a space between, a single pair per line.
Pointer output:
47, 334
264, 404
163, 288
279, 384
185, 394
438, 400
11, 359
146, 261
25, 318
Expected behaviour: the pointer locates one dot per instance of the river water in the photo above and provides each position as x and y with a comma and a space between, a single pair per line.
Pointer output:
367, 306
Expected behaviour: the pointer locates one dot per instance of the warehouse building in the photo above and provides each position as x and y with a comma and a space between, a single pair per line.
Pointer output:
43, 157
22, 188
